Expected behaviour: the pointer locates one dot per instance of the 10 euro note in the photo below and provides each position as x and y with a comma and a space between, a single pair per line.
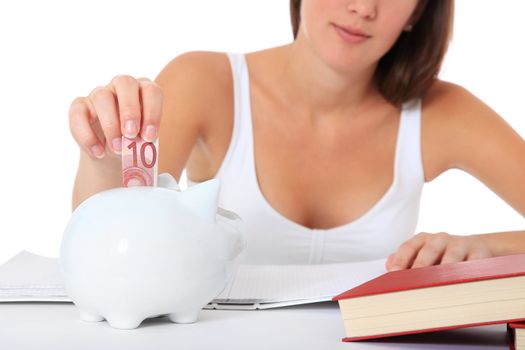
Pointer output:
139, 162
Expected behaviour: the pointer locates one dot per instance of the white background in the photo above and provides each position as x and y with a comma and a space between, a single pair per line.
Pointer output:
53, 51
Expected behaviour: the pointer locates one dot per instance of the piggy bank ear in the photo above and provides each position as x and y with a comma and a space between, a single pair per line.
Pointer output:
202, 199
167, 181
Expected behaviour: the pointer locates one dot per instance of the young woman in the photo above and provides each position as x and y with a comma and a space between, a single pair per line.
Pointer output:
322, 145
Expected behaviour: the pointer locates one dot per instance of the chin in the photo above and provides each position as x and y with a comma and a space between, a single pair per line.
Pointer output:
343, 61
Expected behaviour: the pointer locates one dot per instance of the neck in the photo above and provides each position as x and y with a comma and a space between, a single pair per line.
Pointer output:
320, 90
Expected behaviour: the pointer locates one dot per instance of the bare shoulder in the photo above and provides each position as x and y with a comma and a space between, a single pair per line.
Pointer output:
195, 88
459, 130
197, 63
204, 72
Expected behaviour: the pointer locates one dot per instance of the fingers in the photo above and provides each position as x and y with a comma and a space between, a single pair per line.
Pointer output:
427, 249
432, 250
479, 254
454, 253
389, 264
106, 112
407, 252
81, 117
465, 248
152, 99
127, 106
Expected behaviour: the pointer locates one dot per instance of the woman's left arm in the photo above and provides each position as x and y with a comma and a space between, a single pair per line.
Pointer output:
483, 144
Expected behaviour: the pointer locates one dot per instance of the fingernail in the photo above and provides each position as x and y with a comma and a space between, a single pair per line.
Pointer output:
97, 151
150, 133
395, 268
117, 145
131, 129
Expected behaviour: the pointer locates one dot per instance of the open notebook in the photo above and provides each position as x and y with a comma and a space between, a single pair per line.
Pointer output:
32, 277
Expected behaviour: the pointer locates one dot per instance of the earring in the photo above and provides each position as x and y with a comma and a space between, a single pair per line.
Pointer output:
408, 28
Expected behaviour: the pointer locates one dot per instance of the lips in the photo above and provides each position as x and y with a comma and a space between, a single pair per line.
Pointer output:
354, 31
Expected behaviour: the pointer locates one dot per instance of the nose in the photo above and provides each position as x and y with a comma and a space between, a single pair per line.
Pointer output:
363, 8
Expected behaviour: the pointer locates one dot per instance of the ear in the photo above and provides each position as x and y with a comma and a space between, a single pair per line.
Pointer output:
202, 199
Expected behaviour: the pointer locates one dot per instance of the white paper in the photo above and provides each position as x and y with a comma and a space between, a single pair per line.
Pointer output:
32, 277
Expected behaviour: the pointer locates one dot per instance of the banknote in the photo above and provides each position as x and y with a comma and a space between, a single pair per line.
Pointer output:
139, 162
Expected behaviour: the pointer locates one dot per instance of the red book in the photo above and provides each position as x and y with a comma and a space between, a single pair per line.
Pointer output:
448, 296
516, 335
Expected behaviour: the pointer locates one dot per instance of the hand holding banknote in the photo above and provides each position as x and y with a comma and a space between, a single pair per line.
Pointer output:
121, 119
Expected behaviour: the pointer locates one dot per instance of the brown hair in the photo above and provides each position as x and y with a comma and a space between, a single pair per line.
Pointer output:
410, 67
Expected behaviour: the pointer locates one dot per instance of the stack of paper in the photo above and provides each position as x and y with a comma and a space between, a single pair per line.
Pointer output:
31, 277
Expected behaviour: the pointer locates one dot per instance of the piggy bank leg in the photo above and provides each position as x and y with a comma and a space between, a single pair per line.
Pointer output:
124, 322
89, 316
189, 316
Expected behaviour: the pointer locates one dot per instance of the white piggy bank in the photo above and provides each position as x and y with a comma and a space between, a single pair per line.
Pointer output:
128, 254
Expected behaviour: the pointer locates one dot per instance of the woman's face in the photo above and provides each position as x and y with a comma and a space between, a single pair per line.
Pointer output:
382, 20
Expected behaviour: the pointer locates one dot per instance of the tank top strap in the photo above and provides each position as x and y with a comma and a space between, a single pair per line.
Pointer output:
410, 165
239, 151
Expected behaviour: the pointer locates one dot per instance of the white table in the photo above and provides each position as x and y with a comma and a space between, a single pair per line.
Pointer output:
40, 325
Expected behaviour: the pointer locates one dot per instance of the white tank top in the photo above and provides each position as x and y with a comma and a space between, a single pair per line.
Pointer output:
274, 239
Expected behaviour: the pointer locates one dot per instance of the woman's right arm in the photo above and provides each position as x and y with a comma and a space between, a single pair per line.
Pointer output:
98, 121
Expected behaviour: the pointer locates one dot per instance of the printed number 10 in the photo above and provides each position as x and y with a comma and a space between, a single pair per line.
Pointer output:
143, 158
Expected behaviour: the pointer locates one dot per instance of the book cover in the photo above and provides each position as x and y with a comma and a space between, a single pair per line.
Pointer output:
511, 334
438, 275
